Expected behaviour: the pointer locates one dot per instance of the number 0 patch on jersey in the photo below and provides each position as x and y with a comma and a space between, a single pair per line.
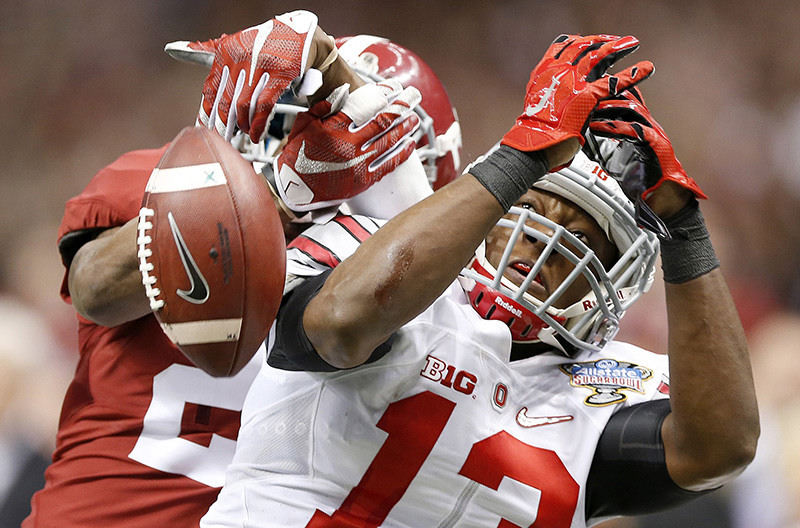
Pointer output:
606, 378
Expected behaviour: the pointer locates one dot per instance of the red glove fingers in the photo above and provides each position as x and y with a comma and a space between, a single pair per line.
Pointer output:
345, 144
250, 70
567, 84
628, 119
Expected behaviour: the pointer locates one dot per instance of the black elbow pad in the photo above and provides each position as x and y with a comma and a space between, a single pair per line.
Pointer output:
629, 471
292, 349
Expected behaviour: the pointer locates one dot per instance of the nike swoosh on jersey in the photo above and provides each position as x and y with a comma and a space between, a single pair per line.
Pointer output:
261, 38
306, 165
198, 287
536, 421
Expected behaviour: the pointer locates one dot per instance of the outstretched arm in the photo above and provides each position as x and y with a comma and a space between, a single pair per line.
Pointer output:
398, 272
656, 454
711, 434
410, 261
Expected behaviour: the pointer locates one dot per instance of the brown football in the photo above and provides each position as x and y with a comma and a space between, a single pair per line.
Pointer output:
211, 251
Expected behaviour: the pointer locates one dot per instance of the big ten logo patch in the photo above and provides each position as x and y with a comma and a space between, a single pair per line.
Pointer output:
448, 375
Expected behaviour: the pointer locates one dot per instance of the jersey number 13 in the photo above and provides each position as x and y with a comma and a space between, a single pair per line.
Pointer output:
488, 463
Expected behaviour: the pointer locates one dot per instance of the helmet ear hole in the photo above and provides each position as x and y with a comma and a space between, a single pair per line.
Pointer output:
377, 58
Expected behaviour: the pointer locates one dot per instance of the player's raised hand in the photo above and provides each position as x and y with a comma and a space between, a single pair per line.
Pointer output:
567, 84
250, 70
652, 160
346, 143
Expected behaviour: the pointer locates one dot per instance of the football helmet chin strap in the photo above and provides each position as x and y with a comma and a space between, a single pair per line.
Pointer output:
593, 320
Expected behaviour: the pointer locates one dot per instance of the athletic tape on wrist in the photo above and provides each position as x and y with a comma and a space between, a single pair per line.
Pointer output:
689, 253
508, 173
332, 56
312, 79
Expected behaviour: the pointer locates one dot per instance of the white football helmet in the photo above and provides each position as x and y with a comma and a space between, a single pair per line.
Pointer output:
594, 320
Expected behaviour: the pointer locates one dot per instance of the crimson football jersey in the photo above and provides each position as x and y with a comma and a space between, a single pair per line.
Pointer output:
443, 430
144, 437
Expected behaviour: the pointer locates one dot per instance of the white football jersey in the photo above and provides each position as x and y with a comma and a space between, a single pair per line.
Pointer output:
443, 431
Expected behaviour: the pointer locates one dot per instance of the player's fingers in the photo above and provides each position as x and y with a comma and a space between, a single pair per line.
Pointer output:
198, 52
398, 115
216, 89
595, 63
242, 104
231, 121
367, 102
406, 101
407, 125
261, 109
613, 85
202, 114
631, 76
559, 44
390, 159
577, 47
620, 110
634, 93
388, 129
390, 88
618, 130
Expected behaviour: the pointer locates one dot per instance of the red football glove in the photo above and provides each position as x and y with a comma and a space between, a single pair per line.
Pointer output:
628, 119
567, 84
250, 70
344, 144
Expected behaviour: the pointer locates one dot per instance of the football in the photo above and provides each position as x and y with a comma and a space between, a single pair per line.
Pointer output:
211, 251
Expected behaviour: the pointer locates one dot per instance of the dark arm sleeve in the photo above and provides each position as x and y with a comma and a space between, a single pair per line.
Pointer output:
629, 471
71, 242
292, 350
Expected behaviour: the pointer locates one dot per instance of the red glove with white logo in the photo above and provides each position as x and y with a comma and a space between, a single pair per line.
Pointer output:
652, 160
567, 84
250, 70
344, 144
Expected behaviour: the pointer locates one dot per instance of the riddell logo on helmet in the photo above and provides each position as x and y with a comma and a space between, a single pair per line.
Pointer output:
507, 306
589, 304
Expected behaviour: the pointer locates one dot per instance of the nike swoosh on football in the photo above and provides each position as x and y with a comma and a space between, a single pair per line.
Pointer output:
306, 165
198, 287
536, 421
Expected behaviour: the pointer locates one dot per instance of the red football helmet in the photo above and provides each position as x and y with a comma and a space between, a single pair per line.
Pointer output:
375, 58
439, 136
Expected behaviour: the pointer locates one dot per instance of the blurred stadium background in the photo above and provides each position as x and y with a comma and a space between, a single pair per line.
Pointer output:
83, 82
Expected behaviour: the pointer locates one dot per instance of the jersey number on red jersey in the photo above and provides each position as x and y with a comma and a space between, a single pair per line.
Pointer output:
160, 445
